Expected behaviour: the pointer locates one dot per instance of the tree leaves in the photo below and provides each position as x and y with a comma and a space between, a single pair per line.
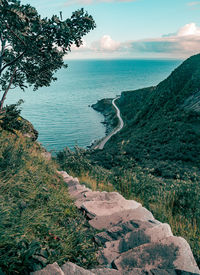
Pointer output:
36, 46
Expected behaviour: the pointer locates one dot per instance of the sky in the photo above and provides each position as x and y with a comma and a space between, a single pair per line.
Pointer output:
133, 28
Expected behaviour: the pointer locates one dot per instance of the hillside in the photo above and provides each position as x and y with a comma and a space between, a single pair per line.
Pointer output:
39, 224
156, 156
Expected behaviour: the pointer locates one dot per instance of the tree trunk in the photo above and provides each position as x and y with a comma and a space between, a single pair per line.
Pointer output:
6, 91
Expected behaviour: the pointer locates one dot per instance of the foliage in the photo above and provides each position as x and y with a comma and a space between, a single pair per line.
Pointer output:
10, 117
32, 48
39, 224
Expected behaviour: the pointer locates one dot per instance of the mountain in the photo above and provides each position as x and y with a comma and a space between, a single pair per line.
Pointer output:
162, 124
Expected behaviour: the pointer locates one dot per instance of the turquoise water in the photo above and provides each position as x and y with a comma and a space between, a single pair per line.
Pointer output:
61, 112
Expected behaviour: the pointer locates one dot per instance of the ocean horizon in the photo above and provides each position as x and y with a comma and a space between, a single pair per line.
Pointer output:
62, 114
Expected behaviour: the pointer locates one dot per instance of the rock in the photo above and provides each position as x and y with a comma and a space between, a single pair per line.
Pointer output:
73, 269
170, 253
108, 221
133, 239
106, 271
185, 259
119, 231
51, 269
182, 272
99, 196
107, 208
139, 271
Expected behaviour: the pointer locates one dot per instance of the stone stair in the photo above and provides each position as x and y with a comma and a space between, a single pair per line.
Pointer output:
131, 241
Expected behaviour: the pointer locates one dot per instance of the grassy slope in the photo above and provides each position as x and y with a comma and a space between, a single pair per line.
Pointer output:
39, 223
156, 157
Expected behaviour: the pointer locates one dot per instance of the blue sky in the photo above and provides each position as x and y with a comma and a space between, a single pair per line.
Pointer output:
133, 28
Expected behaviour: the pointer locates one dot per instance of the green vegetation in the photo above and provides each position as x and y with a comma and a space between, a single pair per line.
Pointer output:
39, 223
156, 157
32, 48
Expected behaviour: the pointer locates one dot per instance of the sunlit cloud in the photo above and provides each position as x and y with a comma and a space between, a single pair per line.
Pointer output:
183, 43
106, 43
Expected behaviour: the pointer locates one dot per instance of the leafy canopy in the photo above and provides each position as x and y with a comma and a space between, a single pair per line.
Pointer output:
32, 48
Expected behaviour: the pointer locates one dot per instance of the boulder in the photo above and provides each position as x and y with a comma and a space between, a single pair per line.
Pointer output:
73, 269
107, 208
99, 196
119, 231
108, 221
133, 239
170, 253
51, 269
106, 271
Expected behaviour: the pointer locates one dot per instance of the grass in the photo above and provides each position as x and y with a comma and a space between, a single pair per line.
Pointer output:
39, 223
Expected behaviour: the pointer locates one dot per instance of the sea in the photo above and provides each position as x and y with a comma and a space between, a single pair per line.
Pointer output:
62, 114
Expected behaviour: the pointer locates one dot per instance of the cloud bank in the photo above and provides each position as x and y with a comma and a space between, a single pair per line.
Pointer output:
183, 43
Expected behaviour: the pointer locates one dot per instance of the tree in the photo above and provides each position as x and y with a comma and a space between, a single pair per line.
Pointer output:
32, 48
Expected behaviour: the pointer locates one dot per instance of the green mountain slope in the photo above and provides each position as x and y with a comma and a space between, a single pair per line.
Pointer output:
161, 129
155, 158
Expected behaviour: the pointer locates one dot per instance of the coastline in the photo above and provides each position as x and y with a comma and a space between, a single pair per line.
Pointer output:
112, 120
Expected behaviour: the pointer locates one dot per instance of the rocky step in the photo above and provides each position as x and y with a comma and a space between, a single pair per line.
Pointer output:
119, 231
108, 221
138, 237
170, 253
73, 269
134, 242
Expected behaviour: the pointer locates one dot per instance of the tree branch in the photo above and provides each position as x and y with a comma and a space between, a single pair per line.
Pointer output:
6, 91
12, 62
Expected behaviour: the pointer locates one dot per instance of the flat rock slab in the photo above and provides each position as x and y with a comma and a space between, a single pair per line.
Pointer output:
99, 196
108, 221
106, 271
131, 240
73, 269
107, 208
119, 231
51, 269
170, 253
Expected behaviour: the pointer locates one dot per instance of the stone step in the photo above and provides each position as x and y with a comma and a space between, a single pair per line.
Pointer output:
106, 271
108, 221
170, 253
119, 231
73, 269
99, 196
51, 269
107, 208
131, 240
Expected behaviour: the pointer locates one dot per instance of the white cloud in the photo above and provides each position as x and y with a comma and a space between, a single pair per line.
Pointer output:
106, 43
183, 43
189, 29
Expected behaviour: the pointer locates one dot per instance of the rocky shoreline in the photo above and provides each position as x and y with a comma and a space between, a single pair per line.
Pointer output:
105, 107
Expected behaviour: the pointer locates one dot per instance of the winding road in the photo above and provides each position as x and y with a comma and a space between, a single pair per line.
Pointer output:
119, 127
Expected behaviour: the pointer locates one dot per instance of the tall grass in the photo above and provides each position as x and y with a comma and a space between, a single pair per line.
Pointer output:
39, 223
